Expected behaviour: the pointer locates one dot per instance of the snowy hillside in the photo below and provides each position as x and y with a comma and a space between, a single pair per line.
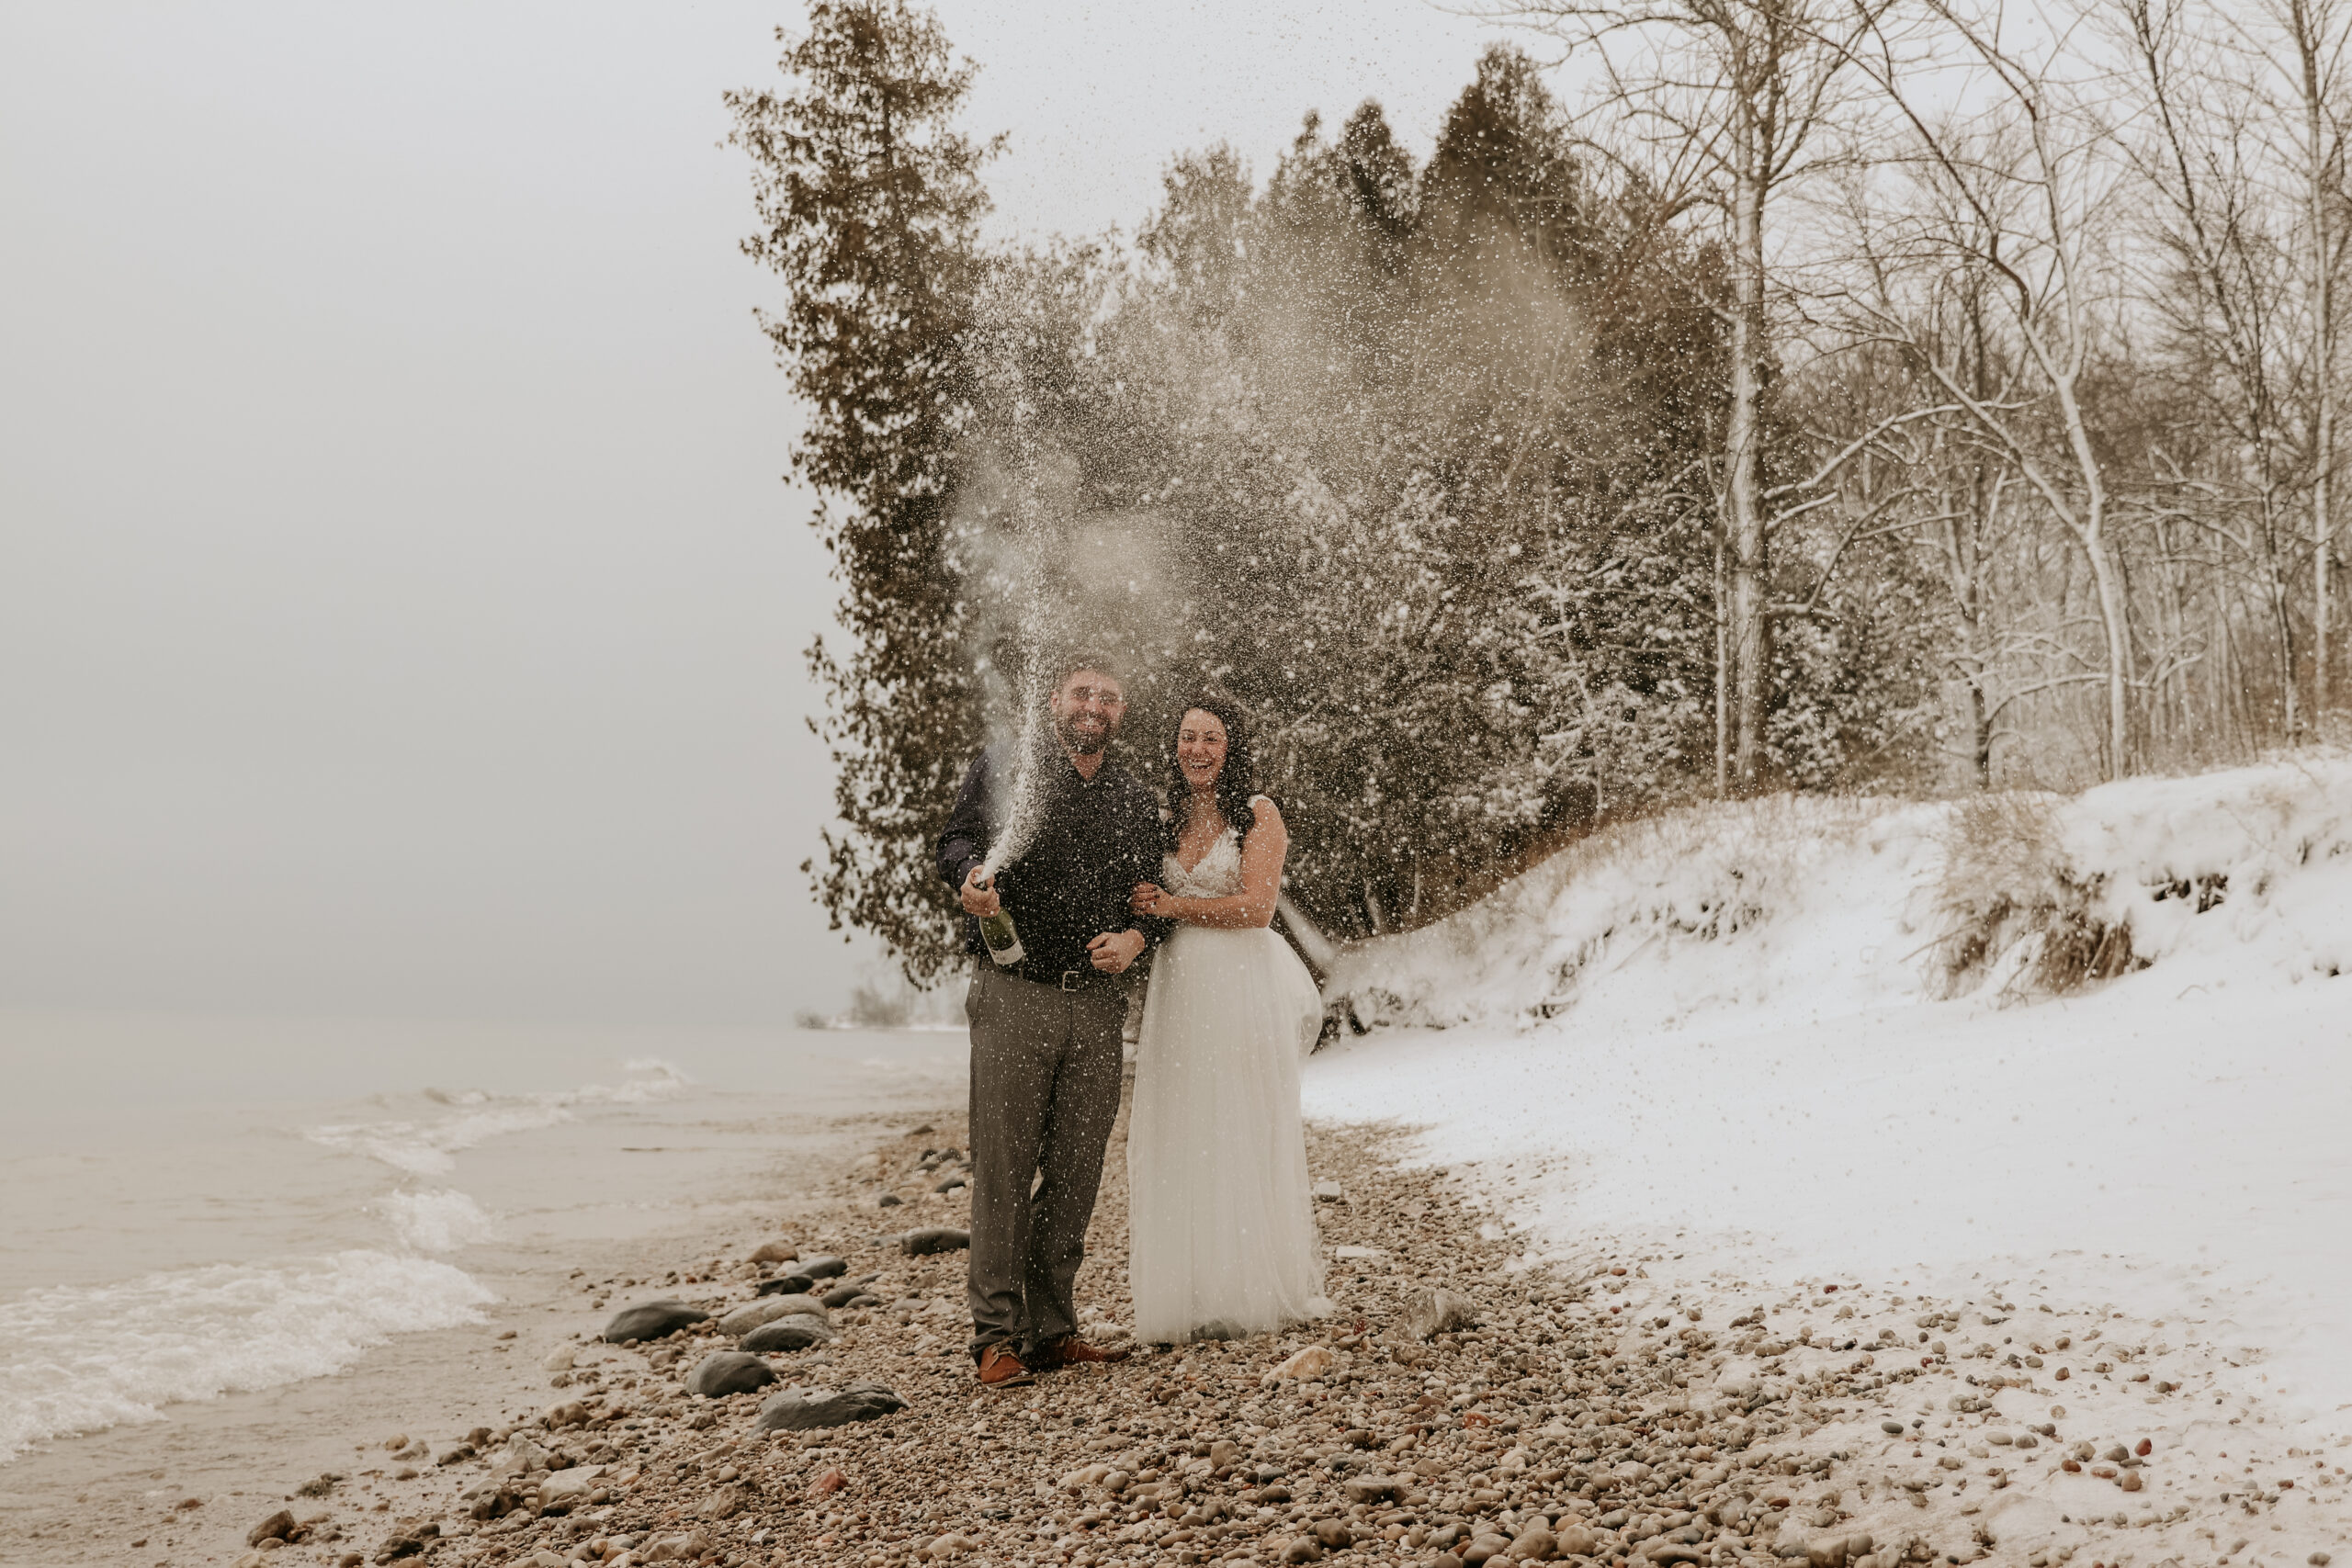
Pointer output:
1794, 908
2093, 1054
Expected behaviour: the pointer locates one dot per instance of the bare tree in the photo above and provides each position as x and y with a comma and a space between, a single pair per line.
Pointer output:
1732, 100
1971, 484
2316, 35
2223, 303
2013, 185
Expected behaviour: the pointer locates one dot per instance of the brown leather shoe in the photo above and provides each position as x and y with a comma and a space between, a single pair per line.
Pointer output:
1000, 1368
1071, 1351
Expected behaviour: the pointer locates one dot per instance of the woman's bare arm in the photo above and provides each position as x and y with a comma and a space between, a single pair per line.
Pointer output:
1263, 849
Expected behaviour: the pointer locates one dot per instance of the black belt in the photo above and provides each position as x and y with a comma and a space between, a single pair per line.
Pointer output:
1059, 979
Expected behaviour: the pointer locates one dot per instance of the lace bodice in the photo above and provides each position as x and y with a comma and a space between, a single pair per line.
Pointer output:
1220, 874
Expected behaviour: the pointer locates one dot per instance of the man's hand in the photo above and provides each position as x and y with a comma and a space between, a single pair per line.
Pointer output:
979, 898
1114, 950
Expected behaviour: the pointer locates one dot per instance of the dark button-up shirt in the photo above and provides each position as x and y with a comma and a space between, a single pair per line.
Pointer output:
1095, 840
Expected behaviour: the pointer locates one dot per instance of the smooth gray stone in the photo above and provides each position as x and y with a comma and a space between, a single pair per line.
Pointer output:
802, 1410
723, 1372
841, 1295
823, 1268
768, 1309
794, 1285
651, 1320
798, 1332
934, 1238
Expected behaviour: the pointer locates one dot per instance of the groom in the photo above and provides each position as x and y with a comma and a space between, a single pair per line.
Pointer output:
1046, 1048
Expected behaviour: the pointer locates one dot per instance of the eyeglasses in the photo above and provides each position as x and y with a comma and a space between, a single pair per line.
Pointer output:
1095, 696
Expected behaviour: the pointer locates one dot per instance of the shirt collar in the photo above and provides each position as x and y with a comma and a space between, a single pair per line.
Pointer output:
1071, 775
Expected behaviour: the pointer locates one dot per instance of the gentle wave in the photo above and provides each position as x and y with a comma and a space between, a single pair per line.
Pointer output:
440, 1221
77, 1358
430, 1149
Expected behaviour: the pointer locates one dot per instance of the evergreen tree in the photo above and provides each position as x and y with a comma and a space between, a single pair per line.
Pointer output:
1409, 443
869, 202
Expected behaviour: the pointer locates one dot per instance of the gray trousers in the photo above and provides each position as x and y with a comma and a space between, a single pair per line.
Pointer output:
1046, 1072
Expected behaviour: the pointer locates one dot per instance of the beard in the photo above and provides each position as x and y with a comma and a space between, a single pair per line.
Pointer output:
1081, 737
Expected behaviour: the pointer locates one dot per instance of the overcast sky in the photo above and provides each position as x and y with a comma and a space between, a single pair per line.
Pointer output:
402, 606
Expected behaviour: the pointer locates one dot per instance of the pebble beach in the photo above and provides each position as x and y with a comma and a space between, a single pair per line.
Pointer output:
1460, 1405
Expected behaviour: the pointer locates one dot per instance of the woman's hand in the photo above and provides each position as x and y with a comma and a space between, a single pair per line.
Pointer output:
1146, 899
1114, 950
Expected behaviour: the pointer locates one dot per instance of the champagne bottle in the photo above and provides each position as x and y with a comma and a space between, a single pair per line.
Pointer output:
1002, 938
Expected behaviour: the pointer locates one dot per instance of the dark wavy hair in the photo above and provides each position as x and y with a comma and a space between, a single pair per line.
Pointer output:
1236, 782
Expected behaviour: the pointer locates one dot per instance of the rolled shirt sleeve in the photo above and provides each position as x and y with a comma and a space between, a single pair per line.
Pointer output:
964, 845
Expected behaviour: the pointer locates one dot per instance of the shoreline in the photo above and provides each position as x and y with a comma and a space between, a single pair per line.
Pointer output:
181, 1482
1582, 1408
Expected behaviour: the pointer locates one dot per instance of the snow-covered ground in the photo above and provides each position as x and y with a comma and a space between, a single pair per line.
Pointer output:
1757, 1048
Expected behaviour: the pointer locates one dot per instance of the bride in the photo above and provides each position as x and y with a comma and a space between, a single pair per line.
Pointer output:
1222, 1240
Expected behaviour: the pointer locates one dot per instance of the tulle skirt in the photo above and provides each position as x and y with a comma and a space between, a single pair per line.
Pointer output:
1221, 1220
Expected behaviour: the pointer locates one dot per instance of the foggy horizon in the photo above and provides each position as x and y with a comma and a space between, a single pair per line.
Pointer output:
404, 605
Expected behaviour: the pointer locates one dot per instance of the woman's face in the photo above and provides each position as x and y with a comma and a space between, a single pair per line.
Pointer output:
1200, 749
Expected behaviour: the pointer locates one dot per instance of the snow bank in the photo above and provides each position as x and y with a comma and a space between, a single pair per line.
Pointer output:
2265, 852
1795, 907
1804, 1039
1787, 898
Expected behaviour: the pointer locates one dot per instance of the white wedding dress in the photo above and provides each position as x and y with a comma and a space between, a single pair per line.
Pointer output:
1221, 1222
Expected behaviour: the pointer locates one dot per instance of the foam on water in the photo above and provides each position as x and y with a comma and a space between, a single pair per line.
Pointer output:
78, 1358
81, 1358
295, 1235
429, 1148
440, 1221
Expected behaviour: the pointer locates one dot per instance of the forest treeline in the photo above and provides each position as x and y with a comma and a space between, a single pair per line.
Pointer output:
1833, 397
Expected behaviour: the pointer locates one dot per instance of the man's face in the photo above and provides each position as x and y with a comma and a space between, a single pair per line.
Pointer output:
1087, 708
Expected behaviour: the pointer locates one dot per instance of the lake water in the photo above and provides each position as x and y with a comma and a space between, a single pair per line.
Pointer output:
190, 1206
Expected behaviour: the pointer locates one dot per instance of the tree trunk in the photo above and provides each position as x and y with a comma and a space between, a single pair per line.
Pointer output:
1722, 674
2280, 563
1743, 457
2318, 166
2112, 611
1963, 545
1968, 554
2119, 653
